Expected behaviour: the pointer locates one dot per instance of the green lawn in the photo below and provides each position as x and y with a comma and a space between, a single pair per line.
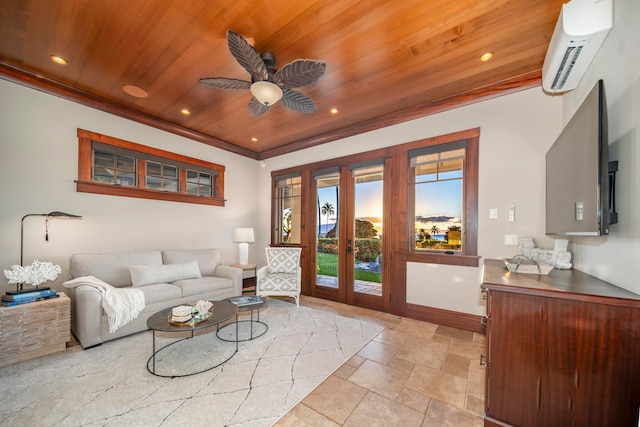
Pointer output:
328, 266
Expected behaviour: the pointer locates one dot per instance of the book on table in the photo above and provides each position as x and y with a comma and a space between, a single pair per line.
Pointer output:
36, 293
246, 300
9, 303
26, 291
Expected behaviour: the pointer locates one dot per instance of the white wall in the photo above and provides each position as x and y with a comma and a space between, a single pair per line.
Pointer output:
615, 257
516, 131
38, 166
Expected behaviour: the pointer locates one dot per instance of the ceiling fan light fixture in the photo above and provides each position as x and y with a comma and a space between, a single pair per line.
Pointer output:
266, 93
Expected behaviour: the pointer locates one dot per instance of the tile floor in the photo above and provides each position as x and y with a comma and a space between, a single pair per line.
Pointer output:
412, 374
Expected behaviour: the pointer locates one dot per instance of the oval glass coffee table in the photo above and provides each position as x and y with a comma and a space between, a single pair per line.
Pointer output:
191, 355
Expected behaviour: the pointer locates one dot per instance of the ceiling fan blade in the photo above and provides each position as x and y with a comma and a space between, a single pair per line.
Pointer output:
224, 83
256, 108
300, 72
298, 102
247, 56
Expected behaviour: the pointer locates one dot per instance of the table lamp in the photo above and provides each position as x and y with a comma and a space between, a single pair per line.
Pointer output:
243, 236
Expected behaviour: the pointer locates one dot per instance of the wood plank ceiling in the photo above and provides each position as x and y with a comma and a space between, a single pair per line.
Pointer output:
387, 61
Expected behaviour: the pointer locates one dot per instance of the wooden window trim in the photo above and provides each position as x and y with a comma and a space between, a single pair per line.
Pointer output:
84, 184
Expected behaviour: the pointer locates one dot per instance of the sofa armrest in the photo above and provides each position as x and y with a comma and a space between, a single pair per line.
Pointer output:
233, 273
86, 306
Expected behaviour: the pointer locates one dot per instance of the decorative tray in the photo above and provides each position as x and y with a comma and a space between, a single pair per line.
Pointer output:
195, 319
522, 264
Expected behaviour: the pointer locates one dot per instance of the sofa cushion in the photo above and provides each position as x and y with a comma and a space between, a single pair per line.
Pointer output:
112, 268
191, 287
142, 275
208, 259
160, 293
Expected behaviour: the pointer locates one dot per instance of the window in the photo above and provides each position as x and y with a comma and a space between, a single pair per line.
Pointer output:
108, 165
199, 183
162, 177
287, 208
443, 201
438, 173
112, 168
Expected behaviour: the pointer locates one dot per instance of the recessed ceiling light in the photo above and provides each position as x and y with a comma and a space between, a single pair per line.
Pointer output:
485, 57
334, 111
254, 139
58, 59
134, 91
185, 111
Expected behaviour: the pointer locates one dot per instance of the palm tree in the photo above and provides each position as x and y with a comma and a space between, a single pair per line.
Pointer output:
328, 210
435, 229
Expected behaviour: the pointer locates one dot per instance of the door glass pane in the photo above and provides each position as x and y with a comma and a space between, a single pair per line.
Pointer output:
288, 210
327, 202
367, 248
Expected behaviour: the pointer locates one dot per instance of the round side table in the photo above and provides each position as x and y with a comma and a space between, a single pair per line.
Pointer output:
245, 330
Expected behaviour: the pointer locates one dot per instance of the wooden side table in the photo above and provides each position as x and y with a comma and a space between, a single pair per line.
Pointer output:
248, 277
34, 329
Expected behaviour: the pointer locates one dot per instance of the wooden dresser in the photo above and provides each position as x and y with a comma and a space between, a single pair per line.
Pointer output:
563, 350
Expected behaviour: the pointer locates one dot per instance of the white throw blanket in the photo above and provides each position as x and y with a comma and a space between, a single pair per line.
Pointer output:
121, 305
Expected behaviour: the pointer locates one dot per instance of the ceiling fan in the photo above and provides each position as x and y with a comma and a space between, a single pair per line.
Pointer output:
267, 84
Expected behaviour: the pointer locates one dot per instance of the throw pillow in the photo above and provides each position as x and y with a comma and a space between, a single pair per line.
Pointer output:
142, 275
283, 260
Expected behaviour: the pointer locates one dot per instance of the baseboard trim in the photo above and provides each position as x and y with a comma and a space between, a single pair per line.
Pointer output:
453, 319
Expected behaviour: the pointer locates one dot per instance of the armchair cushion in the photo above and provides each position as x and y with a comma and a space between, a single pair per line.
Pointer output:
282, 260
281, 282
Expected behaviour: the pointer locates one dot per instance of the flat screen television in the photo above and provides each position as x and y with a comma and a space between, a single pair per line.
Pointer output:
577, 172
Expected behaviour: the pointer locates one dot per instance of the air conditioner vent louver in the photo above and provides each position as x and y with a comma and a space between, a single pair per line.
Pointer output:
580, 31
568, 61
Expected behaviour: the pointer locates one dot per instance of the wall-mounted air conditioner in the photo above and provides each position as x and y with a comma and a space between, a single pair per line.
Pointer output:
581, 28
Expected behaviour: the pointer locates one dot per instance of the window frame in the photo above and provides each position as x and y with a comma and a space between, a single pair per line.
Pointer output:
85, 183
468, 256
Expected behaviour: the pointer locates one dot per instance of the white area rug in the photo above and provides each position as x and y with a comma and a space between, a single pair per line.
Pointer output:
110, 385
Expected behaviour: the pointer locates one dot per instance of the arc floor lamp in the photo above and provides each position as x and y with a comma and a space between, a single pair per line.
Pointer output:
54, 214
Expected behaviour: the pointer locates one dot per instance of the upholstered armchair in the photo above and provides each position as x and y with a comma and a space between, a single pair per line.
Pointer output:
282, 274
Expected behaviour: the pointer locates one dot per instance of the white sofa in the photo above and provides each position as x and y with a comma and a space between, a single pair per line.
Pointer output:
177, 283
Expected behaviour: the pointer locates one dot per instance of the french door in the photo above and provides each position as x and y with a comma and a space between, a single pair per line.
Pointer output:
350, 248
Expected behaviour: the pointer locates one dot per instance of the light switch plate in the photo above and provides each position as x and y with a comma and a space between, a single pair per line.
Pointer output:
493, 213
511, 239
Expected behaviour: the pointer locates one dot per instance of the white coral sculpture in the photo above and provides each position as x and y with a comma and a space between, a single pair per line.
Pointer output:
203, 306
35, 274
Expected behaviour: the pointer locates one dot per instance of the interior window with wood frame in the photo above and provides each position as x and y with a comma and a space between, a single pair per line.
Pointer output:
443, 211
108, 165
438, 173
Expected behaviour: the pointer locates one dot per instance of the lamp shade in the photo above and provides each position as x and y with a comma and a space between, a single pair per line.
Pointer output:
243, 235
266, 93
